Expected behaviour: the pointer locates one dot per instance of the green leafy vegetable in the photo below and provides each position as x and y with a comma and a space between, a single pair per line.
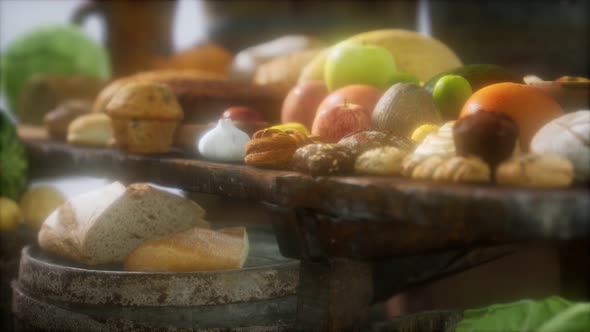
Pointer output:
55, 49
547, 315
13, 162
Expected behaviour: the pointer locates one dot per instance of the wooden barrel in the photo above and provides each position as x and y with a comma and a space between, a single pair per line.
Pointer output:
51, 294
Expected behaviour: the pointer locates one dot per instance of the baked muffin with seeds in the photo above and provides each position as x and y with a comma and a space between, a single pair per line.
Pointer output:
366, 139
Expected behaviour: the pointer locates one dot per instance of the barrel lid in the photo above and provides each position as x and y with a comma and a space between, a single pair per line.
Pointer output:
266, 275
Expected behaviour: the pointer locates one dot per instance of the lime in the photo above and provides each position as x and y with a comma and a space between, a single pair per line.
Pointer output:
450, 93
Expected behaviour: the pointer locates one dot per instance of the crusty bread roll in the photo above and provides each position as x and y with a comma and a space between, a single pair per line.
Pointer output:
284, 71
196, 249
91, 129
57, 121
103, 226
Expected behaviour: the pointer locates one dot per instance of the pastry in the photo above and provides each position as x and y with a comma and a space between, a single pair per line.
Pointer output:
91, 129
323, 159
366, 139
44, 93
158, 76
284, 71
196, 249
145, 116
463, 169
274, 148
489, 135
536, 170
450, 169
105, 225
57, 121
248, 60
569, 137
386, 160
438, 143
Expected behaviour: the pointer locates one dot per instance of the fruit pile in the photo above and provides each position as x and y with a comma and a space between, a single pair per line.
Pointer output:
374, 110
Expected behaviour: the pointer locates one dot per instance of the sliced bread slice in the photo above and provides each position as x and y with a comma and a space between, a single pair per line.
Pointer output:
141, 213
196, 249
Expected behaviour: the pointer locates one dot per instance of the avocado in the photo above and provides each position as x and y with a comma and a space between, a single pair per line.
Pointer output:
478, 76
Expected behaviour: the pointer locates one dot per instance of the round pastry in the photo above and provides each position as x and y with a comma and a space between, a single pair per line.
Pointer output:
425, 168
57, 121
386, 160
536, 170
463, 169
91, 129
274, 148
569, 137
438, 143
489, 135
323, 159
145, 116
447, 169
367, 139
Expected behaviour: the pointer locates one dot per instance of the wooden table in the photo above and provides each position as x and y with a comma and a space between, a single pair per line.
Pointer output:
343, 228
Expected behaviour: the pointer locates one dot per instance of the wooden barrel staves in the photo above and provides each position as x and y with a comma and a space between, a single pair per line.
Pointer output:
54, 295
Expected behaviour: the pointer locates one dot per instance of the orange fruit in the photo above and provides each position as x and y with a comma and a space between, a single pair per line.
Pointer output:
528, 106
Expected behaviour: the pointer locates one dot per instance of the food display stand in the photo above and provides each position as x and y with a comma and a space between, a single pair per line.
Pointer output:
359, 239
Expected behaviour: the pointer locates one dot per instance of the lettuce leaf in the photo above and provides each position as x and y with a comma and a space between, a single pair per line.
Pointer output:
551, 314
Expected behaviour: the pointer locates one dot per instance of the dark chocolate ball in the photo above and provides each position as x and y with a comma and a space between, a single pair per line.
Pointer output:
487, 134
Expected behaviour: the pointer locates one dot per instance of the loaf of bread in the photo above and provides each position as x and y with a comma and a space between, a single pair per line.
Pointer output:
103, 226
203, 96
196, 249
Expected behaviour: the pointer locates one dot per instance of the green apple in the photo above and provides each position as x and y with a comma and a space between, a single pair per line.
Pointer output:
450, 93
352, 62
401, 76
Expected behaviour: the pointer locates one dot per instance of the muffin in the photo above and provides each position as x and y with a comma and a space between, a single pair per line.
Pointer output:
145, 116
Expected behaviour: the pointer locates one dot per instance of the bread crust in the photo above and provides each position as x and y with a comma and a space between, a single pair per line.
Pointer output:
196, 249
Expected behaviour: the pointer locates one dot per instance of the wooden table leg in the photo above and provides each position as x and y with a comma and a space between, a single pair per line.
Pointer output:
334, 295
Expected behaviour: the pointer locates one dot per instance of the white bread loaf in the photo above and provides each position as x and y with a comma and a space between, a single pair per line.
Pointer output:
105, 225
197, 249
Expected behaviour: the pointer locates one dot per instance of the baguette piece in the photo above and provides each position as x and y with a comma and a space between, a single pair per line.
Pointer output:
105, 225
196, 249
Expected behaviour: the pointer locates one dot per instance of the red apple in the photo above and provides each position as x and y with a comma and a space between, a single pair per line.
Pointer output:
360, 94
333, 123
242, 114
303, 100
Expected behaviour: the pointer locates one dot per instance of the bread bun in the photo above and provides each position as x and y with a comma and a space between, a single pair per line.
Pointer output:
91, 129
196, 249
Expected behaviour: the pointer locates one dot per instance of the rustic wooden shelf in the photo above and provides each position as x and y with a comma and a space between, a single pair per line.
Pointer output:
502, 211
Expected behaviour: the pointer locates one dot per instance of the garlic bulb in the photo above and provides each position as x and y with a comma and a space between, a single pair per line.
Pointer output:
223, 143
